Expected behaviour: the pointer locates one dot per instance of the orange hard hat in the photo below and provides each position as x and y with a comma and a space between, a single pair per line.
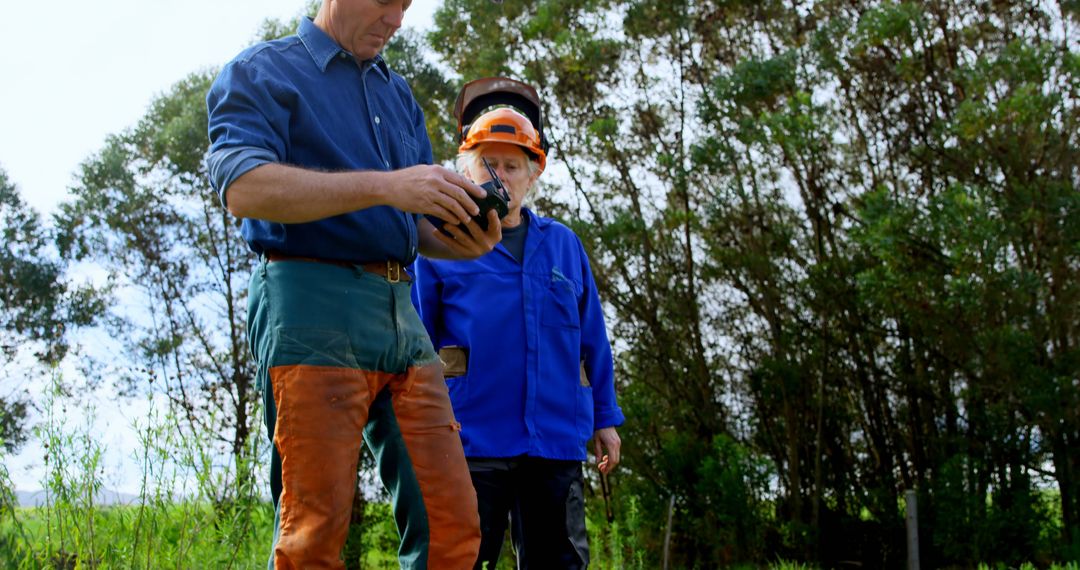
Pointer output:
507, 126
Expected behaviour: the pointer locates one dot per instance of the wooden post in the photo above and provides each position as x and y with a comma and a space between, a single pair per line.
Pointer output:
667, 533
911, 502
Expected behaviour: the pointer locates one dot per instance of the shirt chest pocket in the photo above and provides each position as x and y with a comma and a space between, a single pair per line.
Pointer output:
404, 150
560, 306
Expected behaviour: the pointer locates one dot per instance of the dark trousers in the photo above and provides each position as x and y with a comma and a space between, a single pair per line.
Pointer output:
544, 503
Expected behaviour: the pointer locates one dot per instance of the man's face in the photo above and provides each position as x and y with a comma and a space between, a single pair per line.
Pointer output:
363, 27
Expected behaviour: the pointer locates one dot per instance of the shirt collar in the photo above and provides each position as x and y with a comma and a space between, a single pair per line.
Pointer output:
323, 49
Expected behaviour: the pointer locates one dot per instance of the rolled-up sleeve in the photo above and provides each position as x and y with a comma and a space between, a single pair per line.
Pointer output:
247, 123
228, 164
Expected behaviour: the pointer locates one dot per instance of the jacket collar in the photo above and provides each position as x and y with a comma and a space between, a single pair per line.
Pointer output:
534, 220
537, 228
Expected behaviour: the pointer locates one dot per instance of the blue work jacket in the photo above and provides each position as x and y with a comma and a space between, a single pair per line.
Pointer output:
539, 378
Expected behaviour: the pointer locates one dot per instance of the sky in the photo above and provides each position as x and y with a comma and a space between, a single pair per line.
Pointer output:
73, 72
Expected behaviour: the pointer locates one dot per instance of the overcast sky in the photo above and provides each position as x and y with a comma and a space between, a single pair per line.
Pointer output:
74, 71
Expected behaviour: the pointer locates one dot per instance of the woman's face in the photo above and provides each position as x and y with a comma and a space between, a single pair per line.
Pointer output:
512, 165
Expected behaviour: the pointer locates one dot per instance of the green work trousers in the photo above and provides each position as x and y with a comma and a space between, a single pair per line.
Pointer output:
343, 358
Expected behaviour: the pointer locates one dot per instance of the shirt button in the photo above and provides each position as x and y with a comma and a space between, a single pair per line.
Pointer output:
377, 120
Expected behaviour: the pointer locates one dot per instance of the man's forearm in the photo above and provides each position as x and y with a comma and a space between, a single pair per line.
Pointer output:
292, 195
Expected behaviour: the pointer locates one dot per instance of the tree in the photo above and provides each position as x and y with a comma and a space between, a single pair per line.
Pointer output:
406, 55
620, 117
839, 234
144, 209
37, 303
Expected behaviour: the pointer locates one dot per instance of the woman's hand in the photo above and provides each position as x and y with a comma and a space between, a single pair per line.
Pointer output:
470, 243
606, 439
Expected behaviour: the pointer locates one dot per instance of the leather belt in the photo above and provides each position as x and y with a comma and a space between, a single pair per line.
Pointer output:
390, 269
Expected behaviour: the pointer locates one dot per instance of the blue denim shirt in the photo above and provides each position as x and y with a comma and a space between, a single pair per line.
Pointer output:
529, 331
304, 101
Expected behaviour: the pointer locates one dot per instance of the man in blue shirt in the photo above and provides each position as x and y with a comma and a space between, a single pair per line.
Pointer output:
321, 149
528, 362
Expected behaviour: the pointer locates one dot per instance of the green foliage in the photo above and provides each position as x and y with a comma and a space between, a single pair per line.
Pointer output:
380, 539
37, 305
405, 54
757, 84
178, 519
888, 23
789, 565
145, 212
273, 29
838, 241
729, 485
12, 420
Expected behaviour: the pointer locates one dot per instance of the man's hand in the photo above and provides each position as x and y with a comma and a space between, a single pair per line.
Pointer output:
606, 439
437, 191
460, 244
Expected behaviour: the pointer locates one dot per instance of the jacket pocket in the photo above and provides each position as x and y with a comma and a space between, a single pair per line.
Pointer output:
560, 308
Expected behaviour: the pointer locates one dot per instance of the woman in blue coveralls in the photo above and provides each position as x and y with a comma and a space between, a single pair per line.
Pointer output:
528, 363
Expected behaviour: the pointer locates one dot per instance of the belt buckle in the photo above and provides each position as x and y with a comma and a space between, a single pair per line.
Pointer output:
393, 271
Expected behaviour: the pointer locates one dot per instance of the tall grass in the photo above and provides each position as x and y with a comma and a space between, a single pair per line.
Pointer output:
612, 544
1029, 566
73, 486
199, 508
12, 533
196, 508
